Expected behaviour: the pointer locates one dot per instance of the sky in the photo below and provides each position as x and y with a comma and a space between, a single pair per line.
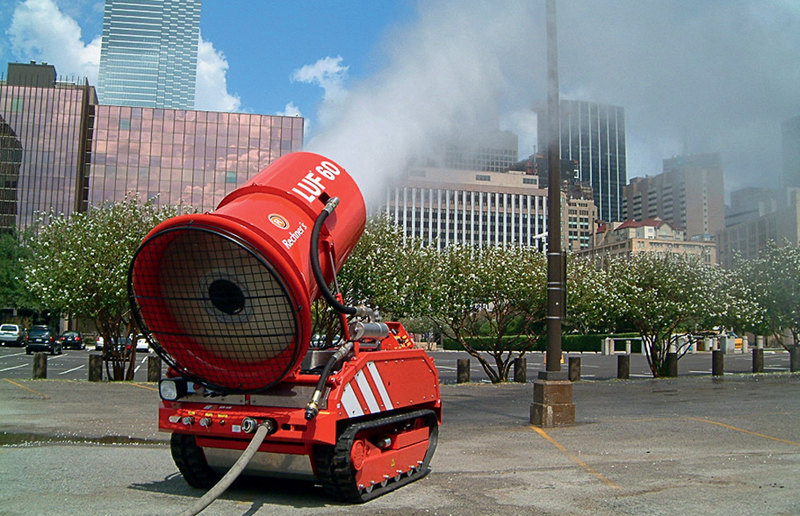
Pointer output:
379, 81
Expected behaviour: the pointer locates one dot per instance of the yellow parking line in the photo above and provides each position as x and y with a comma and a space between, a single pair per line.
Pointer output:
149, 388
575, 459
729, 427
12, 382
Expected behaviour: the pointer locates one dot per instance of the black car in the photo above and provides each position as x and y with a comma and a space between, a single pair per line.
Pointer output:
41, 339
72, 340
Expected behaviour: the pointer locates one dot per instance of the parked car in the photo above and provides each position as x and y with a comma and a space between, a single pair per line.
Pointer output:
41, 339
12, 335
72, 339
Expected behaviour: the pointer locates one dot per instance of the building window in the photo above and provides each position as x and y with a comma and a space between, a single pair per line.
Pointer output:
230, 177
482, 177
529, 180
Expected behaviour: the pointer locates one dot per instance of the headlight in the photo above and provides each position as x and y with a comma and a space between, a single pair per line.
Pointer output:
172, 389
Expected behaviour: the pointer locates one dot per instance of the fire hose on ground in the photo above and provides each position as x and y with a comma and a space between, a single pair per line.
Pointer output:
236, 470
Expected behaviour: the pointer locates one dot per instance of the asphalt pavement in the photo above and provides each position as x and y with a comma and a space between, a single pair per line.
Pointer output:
697, 445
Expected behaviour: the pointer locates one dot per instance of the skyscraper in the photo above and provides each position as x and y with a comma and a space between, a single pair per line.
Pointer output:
593, 135
148, 56
689, 194
62, 151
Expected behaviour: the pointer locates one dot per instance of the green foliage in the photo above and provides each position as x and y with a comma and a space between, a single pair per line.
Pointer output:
78, 265
12, 289
569, 343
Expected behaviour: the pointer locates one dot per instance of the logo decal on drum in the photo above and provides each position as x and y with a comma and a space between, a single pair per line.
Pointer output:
279, 221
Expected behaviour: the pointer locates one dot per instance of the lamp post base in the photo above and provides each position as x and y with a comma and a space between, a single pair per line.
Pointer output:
552, 403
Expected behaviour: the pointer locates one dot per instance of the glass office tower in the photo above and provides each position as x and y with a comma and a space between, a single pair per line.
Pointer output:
60, 150
43, 148
148, 56
182, 156
593, 136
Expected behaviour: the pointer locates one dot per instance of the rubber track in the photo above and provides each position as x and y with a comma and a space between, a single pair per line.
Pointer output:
336, 473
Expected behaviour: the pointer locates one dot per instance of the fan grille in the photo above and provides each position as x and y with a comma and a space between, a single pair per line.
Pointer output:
215, 309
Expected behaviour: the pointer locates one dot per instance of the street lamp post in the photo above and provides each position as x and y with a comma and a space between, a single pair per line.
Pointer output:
552, 391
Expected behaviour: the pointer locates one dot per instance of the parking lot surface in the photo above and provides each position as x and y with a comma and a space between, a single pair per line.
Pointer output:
73, 365
687, 445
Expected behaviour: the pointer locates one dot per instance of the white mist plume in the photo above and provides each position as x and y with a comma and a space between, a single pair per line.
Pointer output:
455, 68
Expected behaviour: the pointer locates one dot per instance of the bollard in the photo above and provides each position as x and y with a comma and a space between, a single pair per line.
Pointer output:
717, 362
39, 366
623, 367
794, 358
707, 345
153, 368
758, 360
606, 346
95, 367
521, 370
627, 347
462, 370
759, 342
672, 364
574, 369
745, 344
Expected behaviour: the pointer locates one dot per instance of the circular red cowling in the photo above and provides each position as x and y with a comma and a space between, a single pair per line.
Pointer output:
225, 297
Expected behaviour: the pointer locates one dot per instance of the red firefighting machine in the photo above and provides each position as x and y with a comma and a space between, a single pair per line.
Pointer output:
224, 298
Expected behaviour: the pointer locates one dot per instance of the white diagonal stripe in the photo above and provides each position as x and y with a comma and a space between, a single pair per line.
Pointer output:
376, 376
350, 402
366, 391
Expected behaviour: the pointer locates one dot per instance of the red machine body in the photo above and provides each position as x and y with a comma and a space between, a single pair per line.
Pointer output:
225, 299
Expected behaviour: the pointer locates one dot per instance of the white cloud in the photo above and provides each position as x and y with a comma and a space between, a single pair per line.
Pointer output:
40, 31
290, 110
327, 73
211, 91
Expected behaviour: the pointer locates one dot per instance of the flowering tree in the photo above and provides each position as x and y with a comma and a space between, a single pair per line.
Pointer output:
774, 278
667, 297
494, 291
79, 266
592, 297
383, 273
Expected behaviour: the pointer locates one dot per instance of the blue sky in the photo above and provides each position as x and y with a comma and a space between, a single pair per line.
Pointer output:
378, 81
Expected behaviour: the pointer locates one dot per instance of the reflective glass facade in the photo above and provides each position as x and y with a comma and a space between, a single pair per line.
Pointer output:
193, 157
593, 135
43, 137
60, 150
148, 54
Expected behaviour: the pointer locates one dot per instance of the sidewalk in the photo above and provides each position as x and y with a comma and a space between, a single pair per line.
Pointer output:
686, 445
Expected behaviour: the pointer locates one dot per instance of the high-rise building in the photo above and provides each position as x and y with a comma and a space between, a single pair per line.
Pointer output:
61, 151
791, 152
689, 194
446, 206
593, 135
44, 132
148, 56
746, 238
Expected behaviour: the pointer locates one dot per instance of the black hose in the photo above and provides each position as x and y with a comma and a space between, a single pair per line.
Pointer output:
315, 267
312, 409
